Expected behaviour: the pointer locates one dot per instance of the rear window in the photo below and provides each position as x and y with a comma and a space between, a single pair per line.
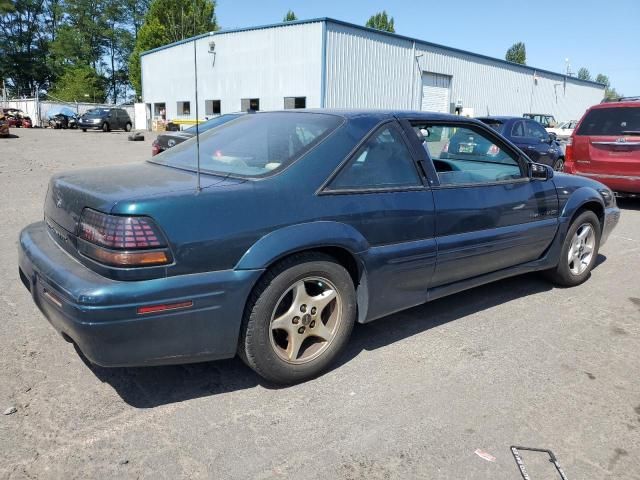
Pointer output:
254, 145
495, 124
611, 121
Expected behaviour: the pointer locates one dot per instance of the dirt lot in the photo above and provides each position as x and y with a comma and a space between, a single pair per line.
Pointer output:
513, 363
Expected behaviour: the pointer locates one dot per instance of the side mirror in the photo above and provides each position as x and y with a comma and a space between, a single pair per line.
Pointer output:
539, 171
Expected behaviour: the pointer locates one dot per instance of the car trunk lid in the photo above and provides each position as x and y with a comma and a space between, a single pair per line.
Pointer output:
101, 188
608, 142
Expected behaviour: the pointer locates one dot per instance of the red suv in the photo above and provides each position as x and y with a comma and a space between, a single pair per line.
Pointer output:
606, 145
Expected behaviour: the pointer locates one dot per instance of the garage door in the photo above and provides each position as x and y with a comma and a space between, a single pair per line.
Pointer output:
435, 92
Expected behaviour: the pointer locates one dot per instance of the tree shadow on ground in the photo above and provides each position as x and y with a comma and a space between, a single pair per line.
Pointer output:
148, 387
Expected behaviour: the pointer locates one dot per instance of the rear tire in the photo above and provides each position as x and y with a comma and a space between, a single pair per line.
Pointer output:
84, 129
558, 166
579, 251
298, 318
127, 127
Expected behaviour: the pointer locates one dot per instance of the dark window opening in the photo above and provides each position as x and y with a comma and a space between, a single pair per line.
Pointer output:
295, 102
212, 107
184, 108
250, 104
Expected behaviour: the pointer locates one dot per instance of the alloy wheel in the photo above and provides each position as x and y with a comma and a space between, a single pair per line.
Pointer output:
305, 320
582, 248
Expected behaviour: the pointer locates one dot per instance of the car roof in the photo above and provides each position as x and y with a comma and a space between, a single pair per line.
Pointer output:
500, 118
379, 114
630, 103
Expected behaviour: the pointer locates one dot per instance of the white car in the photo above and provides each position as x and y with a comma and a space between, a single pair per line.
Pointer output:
564, 130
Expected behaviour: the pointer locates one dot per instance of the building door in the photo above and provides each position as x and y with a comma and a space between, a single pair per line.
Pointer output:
436, 90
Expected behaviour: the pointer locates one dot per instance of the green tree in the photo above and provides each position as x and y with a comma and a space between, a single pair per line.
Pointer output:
79, 84
23, 46
6, 6
584, 74
380, 21
610, 93
290, 17
169, 21
517, 53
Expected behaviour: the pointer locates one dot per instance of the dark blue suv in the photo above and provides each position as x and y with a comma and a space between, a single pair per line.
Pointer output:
531, 137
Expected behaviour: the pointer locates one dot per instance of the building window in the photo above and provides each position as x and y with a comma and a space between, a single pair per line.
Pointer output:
212, 107
250, 104
184, 108
295, 102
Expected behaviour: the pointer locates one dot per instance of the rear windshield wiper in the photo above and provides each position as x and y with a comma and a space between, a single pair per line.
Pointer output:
631, 132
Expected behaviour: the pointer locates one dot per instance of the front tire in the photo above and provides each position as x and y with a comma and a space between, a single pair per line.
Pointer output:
298, 318
579, 251
105, 127
84, 130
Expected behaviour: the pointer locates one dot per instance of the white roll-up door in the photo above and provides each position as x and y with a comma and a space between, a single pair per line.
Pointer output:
435, 92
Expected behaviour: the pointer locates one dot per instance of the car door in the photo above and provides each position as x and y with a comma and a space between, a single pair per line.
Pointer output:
539, 148
489, 214
380, 191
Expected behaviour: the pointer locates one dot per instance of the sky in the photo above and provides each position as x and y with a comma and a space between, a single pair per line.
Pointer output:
603, 36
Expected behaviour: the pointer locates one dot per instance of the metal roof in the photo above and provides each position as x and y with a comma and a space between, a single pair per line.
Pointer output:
373, 30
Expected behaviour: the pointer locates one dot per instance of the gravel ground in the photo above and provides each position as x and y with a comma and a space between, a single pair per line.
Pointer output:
517, 362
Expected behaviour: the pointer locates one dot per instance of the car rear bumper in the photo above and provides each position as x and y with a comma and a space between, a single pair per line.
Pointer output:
617, 183
101, 315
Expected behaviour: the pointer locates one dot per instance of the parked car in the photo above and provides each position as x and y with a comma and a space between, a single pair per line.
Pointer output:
105, 119
531, 138
606, 146
4, 126
62, 121
564, 130
167, 140
304, 223
13, 117
544, 119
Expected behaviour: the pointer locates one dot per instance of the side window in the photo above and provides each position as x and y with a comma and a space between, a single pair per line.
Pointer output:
517, 130
382, 162
535, 130
466, 155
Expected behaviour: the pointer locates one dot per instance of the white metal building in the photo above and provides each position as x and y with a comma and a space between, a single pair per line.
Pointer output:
334, 64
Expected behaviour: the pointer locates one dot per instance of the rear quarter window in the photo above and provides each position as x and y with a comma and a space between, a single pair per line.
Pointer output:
610, 121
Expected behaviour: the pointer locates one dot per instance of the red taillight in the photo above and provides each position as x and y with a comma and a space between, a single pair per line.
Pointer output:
493, 150
121, 241
155, 148
118, 232
568, 156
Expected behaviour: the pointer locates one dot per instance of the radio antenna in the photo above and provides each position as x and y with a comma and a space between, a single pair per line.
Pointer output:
195, 70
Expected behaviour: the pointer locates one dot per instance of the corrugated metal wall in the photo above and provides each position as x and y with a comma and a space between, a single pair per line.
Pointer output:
269, 64
370, 70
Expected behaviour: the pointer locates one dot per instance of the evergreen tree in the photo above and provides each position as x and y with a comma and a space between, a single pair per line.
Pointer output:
517, 53
380, 21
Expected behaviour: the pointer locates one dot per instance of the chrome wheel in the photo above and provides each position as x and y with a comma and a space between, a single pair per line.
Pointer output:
305, 320
582, 248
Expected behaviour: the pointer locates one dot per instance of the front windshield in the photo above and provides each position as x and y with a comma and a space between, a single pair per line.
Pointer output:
254, 145
96, 112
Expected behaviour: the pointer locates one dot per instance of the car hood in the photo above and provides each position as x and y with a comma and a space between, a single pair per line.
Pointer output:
103, 188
